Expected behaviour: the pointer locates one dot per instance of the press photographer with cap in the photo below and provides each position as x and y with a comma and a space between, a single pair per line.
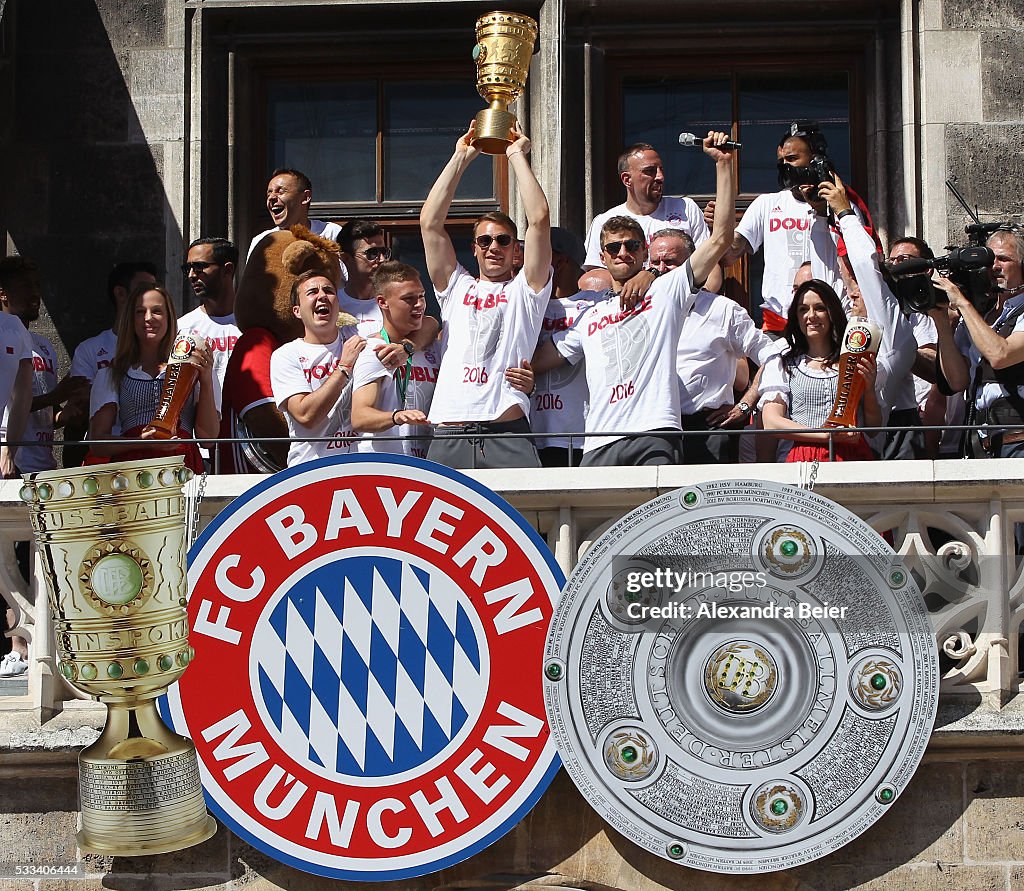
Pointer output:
986, 355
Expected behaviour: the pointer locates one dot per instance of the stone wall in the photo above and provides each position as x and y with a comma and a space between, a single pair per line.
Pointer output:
958, 826
91, 146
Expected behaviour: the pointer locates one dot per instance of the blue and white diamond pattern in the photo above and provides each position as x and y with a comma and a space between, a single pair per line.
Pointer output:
369, 666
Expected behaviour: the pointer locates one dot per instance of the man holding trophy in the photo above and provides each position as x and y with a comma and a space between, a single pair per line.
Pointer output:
491, 322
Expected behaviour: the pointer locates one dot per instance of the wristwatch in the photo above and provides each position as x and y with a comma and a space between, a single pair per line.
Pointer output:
744, 407
410, 350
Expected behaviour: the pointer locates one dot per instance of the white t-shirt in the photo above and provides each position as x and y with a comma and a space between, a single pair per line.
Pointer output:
715, 333
39, 427
631, 358
15, 345
221, 334
559, 403
94, 354
791, 233
367, 313
300, 367
488, 327
369, 369
317, 227
423, 377
672, 213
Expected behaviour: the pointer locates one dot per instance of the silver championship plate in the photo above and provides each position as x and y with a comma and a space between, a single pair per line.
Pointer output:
741, 676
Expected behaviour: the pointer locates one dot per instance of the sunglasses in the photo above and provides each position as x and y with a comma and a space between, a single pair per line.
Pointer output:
370, 255
484, 241
632, 246
196, 267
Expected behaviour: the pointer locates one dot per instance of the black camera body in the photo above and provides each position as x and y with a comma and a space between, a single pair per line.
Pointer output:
967, 267
820, 170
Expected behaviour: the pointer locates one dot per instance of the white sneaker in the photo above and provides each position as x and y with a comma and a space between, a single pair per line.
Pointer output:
12, 665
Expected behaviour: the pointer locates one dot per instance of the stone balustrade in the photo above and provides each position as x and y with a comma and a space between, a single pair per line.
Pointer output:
953, 521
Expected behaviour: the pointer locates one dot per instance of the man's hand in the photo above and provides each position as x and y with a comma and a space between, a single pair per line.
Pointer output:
520, 141
634, 290
709, 214
714, 147
464, 145
7, 469
410, 416
953, 293
391, 355
521, 378
835, 195
728, 417
351, 350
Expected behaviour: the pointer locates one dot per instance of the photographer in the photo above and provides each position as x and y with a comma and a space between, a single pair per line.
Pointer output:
986, 355
899, 348
792, 224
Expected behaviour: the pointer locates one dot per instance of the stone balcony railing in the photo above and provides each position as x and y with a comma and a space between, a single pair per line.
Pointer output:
953, 521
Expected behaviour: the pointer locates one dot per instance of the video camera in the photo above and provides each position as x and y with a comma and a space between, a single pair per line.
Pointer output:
967, 267
819, 170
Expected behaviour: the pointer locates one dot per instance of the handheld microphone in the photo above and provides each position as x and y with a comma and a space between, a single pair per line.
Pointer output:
688, 139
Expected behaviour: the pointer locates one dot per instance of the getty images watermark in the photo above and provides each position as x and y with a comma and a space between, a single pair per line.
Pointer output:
645, 591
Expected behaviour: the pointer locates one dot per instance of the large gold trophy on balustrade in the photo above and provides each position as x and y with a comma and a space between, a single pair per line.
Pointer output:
111, 538
504, 46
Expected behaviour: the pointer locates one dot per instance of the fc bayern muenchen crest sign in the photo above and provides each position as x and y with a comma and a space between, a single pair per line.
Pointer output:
366, 694
741, 676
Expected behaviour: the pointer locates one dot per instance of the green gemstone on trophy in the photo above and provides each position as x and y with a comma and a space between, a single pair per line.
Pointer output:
879, 681
632, 597
90, 485
789, 548
165, 663
88, 672
629, 754
898, 578
115, 670
145, 479
141, 667
27, 494
553, 671
779, 807
117, 579
183, 475
885, 795
45, 491
184, 657
68, 670
676, 850
690, 498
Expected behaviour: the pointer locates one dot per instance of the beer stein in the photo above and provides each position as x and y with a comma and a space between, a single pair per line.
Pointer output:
180, 379
862, 338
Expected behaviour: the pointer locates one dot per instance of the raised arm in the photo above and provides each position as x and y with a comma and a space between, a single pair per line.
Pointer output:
437, 245
709, 252
537, 250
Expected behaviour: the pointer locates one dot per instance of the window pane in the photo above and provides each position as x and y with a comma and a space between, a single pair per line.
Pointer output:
769, 104
422, 121
657, 111
407, 246
328, 131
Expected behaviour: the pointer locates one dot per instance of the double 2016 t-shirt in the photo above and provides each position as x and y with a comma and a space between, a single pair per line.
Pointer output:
488, 327
631, 358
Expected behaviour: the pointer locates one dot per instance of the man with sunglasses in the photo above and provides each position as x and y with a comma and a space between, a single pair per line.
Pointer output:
210, 269
363, 252
631, 353
490, 322
643, 176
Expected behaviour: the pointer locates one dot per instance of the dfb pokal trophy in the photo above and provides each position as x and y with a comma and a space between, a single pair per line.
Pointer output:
504, 46
111, 539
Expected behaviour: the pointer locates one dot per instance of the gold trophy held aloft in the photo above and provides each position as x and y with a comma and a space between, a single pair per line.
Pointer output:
862, 338
111, 539
504, 46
